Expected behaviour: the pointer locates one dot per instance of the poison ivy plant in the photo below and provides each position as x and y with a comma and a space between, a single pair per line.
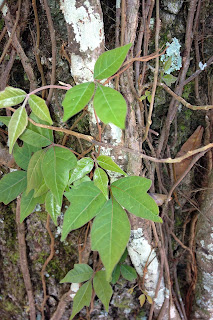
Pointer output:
49, 172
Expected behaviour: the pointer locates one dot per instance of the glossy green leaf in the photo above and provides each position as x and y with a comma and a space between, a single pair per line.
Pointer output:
5, 120
131, 193
36, 136
102, 288
108, 164
28, 203
128, 272
83, 167
110, 234
22, 155
110, 106
86, 201
77, 98
11, 185
81, 272
11, 97
42, 189
16, 126
101, 181
34, 172
169, 79
56, 164
39, 108
52, 207
116, 274
82, 298
79, 181
110, 61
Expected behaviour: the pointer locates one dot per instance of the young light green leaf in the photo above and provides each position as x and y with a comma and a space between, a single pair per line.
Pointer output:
81, 272
106, 235
167, 64
169, 79
22, 155
101, 181
28, 203
77, 98
86, 201
102, 288
82, 298
11, 97
36, 136
56, 164
39, 108
52, 207
5, 120
107, 163
128, 272
131, 193
16, 126
34, 172
110, 61
11, 185
110, 106
142, 299
116, 274
83, 167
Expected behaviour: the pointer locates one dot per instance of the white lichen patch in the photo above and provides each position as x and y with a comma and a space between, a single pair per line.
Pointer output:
87, 24
82, 69
74, 288
4, 9
140, 252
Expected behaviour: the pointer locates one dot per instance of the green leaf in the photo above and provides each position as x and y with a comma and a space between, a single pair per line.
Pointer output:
142, 98
5, 120
22, 155
28, 203
36, 136
11, 97
130, 192
169, 79
80, 273
42, 189
101, 181
116, 274
102, 288
79, 181
86, 201
128, 272
16, 126
11, 185
77, 98
108, 164
167, 64
34, 172
110, 234
39, 108
110, 61
83, 167
52, 207
82, 298
57, 163
124, 256
110, 106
